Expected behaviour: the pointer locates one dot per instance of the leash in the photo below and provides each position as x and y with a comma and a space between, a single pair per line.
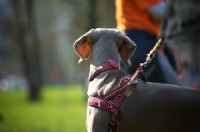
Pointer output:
152, 54
150, 57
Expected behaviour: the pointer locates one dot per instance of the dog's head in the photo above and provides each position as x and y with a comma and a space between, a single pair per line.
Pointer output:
84, 44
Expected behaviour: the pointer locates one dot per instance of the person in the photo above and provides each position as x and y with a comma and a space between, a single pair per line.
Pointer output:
140, 20
181, 26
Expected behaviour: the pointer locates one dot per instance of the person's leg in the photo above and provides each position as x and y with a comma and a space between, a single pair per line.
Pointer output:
160, 70
156, 70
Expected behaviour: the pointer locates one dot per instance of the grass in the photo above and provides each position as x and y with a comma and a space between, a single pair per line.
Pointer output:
62, 109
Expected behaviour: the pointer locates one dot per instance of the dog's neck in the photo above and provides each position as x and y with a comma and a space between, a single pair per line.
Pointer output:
110, 65
108, 80
101, 53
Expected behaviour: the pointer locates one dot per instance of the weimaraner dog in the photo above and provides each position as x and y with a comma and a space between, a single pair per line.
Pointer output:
146, 107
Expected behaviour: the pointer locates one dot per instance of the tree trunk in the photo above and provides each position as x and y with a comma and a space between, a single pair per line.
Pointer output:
92, 14
27, 40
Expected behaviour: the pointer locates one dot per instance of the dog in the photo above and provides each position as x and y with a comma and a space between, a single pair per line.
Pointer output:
146, 107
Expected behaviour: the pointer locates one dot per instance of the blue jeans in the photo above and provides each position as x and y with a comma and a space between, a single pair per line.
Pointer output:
159, 70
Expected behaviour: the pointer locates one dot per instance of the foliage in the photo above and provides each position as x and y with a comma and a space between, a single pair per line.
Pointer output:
62, 109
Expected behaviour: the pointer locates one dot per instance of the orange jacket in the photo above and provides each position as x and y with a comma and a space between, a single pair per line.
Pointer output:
133, 14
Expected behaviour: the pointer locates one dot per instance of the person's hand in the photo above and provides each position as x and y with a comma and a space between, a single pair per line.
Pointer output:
156, 20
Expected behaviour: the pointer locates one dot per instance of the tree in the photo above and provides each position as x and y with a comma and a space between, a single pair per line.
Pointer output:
25, 36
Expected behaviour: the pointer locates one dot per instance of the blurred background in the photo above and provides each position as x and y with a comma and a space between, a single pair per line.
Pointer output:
42, 86
38, 65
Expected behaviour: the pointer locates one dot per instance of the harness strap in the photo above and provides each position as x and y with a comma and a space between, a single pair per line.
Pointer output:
107, 106
103, 104
139, 73
112, 102
108, 66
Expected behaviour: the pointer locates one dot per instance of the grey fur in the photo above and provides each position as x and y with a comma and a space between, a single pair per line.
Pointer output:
147, 107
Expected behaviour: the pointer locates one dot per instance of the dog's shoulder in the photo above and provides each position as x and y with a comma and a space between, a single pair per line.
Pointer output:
106, 83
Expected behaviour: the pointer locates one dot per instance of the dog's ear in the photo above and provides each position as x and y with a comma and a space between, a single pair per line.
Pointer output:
126, 49
82, 48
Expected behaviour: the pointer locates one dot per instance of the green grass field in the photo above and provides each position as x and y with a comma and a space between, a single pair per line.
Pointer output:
62, 109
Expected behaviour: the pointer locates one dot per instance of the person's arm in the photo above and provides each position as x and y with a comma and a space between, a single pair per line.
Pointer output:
157, 12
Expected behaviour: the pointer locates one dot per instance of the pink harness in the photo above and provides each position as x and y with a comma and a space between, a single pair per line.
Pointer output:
112, 102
